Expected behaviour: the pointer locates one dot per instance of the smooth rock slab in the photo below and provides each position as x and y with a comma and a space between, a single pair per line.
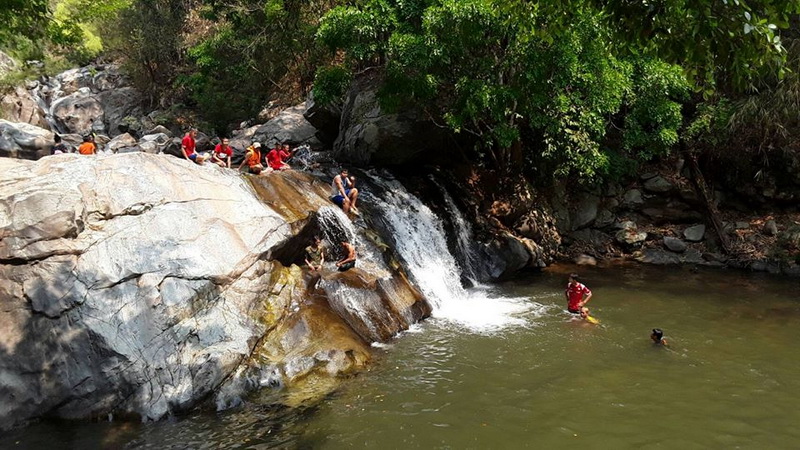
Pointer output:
695, 233
675, 244
658, 185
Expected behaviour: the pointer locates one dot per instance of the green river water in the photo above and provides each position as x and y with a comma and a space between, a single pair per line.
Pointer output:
730, 378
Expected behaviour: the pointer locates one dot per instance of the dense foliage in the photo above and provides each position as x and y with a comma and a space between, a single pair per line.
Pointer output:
587, 87
581, 80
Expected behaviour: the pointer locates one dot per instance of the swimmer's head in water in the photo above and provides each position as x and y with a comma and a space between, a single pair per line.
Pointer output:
584, 312
656, 335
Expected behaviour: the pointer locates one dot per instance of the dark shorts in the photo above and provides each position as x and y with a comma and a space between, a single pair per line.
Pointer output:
574, 311
193, 156
255, 170
338, 199
347, 266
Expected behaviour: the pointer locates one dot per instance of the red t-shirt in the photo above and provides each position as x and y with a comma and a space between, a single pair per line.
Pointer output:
275, 158
223, 153
575, 294
188, 144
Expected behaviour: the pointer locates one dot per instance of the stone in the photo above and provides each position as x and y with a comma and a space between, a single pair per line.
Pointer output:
118, 104
624, 225
694, 233
714, 257
658, 185
613, 190
790, 238
160, 129
630, 237
674, 213
648, 175
604, 218
675, 244
689, 196
506, 255
119, 142
538, 225
71, 81
370, 135
7, 64
791, 269
740, 225
23, 140
140, 285
693, 256
657, 256
632, 198
585, 260
20, 106
770, 228
80, 112
585, 211
288, 127
108, 78
325, 118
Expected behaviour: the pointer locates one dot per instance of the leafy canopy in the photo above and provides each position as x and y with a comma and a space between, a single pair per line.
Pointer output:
557, 72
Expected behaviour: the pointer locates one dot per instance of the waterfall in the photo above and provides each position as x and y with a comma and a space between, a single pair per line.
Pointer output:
336, 227
464, 236
419, 240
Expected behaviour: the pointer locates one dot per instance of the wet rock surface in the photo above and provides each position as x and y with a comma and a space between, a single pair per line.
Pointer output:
109, 307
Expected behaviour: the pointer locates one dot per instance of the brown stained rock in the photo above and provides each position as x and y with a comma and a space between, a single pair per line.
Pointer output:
292, 194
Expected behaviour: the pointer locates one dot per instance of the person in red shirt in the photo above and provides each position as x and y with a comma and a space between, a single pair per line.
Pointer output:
188, 147
277, 156
577, 294
222, 154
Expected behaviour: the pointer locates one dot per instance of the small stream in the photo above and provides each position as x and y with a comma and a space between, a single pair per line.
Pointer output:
728, 380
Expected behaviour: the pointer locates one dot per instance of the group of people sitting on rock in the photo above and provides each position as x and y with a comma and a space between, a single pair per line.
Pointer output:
87, 147
275, 159
343, 187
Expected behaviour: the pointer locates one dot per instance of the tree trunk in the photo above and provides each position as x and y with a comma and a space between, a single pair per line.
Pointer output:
700, 186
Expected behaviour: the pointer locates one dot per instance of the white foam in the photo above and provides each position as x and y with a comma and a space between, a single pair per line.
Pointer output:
420, 241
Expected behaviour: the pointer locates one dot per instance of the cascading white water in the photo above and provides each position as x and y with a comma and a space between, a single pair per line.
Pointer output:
333, 222
464, 236
420, 241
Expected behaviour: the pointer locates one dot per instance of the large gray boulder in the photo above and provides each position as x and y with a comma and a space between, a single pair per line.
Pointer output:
80, 112
141, 284
368, 134
695, 233
20, 106
325, 118
118, 104
585, 211
658, 185
23, 140
288, 127
632, 199
675, 244
120, 142
631, 237
70, 81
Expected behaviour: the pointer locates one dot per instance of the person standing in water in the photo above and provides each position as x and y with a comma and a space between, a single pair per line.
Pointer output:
349, 260
577, 294
657, 336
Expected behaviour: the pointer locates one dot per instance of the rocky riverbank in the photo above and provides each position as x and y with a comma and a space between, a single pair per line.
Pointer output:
141, 284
